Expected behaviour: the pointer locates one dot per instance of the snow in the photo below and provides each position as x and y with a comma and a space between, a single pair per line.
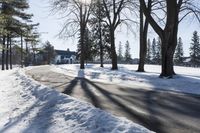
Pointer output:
28, 107
187, 79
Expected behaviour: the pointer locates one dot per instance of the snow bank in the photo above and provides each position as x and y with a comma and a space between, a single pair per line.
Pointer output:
28, 107
187, 80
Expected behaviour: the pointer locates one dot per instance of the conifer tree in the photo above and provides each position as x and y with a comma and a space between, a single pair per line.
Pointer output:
99, 30
148, 57
48, 52
153, 50
127, 55
120, 55
195, 49
158, 51
178, 56
13, 20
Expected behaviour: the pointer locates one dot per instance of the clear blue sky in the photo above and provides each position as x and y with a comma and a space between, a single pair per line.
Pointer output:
51, 24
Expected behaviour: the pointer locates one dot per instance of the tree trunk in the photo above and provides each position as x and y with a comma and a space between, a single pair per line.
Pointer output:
10, 42
143, 37
143, 42
82, 32
26, 57
168, 35
3, 53
168, 49
100, 35
34, 58
82, 58
7, 53
101, 45
169, 40
113, 51
21, 51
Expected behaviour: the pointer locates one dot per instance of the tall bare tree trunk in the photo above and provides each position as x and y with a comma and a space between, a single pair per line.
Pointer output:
3, 53
100, 43
143, 39
82, 32
21, 51
7, 52
82, 58
113, 50
168, 35
100, 34
168, 49
169, 40
10, 42
26, 56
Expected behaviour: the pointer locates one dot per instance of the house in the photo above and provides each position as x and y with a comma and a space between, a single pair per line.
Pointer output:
65, 57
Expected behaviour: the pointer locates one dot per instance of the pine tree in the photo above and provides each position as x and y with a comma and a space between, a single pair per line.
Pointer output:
195, 49
127, 55
12, 21
90, 50
178, 56
158, 51
148, 57
153, 51
49, 52
100, 31
120, 55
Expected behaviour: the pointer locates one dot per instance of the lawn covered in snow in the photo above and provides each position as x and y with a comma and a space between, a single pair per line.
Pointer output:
187, 79
28, 107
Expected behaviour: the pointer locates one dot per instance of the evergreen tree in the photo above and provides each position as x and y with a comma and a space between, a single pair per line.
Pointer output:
158, 51
48, 53
120, 55
153, 51
90, 50
127, 55
100, 31
195, 49
12, 22
178, 56
148, 57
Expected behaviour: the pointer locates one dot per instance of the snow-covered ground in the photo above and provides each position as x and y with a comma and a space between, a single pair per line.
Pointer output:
187, 79
28, 107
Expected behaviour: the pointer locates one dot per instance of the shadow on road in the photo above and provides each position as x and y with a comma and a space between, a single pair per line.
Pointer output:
163, 110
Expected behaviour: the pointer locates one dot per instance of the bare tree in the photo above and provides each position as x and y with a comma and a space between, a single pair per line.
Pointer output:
77, 13
114, 17
143, 37
176, 10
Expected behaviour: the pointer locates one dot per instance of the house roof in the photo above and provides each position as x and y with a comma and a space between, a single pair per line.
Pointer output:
65, 53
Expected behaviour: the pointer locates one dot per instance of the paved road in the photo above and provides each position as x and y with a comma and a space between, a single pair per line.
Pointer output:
159, 111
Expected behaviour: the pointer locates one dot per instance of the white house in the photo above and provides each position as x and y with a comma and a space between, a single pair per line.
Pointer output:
65, 57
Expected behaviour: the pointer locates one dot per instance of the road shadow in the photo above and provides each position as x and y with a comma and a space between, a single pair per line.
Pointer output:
161, 107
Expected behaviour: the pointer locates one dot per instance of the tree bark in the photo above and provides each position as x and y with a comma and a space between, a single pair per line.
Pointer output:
101, 45
82, 43
26, 57
169, 40
7, 52
143, 41
3, 53
113, 51
21, 51
10, 42
100, 34
82, 58
168, 35
168, 50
